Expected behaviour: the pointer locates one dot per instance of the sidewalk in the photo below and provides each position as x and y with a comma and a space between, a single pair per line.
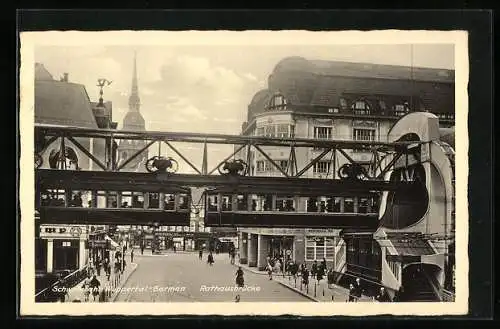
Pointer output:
77, 293
316, 291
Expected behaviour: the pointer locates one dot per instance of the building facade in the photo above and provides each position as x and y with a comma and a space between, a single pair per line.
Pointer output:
341, 101
65, 248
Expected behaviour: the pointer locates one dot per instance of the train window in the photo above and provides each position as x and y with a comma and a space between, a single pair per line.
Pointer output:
53, 198
112, 201
212, 203
312, 205
285, 203
183, 202
333, 204
101, 199
242, 202
363, 206
154, 200
349, 205
226, 204
80, 198
126, 201
137, 200
262, 202
169, 203
267, 204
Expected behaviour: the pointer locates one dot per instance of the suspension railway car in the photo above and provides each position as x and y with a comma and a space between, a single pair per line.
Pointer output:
268, 207
110, 198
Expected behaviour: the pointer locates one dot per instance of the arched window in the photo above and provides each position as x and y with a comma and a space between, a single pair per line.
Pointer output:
67, 161
360, 107
277, 103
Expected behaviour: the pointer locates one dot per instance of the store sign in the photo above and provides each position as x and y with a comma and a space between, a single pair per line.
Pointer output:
62, 231
104, 244
323, 232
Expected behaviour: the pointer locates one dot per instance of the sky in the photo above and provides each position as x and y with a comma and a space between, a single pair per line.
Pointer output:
207, 88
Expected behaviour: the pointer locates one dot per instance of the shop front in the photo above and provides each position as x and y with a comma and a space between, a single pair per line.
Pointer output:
65, 247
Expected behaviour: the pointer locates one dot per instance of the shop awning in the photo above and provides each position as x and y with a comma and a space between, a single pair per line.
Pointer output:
410, 248
113, 243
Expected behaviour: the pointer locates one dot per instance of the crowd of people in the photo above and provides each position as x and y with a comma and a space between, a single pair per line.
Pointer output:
320, 271
93, 287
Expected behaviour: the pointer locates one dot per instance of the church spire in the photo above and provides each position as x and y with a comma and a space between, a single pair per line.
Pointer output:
134, 101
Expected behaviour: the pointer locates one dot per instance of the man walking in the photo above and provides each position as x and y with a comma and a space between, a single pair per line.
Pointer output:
132, 255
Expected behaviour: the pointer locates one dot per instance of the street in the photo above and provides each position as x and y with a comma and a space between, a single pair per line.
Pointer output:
182, 277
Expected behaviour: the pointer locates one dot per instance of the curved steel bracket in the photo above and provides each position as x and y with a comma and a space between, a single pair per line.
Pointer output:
352, 171
162, 164
233, 168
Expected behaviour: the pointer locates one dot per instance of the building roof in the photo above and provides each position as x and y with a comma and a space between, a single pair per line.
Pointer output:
364, 70
41, 73
63, 103
315, 84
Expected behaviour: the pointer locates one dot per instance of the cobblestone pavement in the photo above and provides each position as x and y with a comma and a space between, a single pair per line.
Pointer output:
183, 277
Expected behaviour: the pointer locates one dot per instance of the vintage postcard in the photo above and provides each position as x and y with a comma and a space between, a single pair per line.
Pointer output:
244, 173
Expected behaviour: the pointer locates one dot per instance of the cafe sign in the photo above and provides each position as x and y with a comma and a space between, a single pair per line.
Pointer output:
62, 231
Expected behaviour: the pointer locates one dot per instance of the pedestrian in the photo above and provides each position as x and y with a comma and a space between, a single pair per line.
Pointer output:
124, 264
305, 277
132, 255
323, 265
175, 248
86, 288
358, 289
210, 259
102, 296
270, 271
382, 296
330, 277
352, 293
94, 287
142, 249
314, 268
200, 254
240, 281
107, 268
233, 256
321, 273
98, 266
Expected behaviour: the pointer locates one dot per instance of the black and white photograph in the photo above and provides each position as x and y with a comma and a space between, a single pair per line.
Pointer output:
289, 172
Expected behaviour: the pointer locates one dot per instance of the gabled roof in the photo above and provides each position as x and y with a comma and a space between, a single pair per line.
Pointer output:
63, 103
41, 73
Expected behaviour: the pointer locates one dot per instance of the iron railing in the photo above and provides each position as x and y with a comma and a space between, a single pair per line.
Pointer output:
57, 290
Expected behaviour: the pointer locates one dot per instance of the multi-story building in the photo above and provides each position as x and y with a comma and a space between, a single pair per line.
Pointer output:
341, 101
61, 102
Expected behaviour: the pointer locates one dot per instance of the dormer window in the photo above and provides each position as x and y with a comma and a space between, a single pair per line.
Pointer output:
360, 107
277, 103
343, 103
401, 109
382, 106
